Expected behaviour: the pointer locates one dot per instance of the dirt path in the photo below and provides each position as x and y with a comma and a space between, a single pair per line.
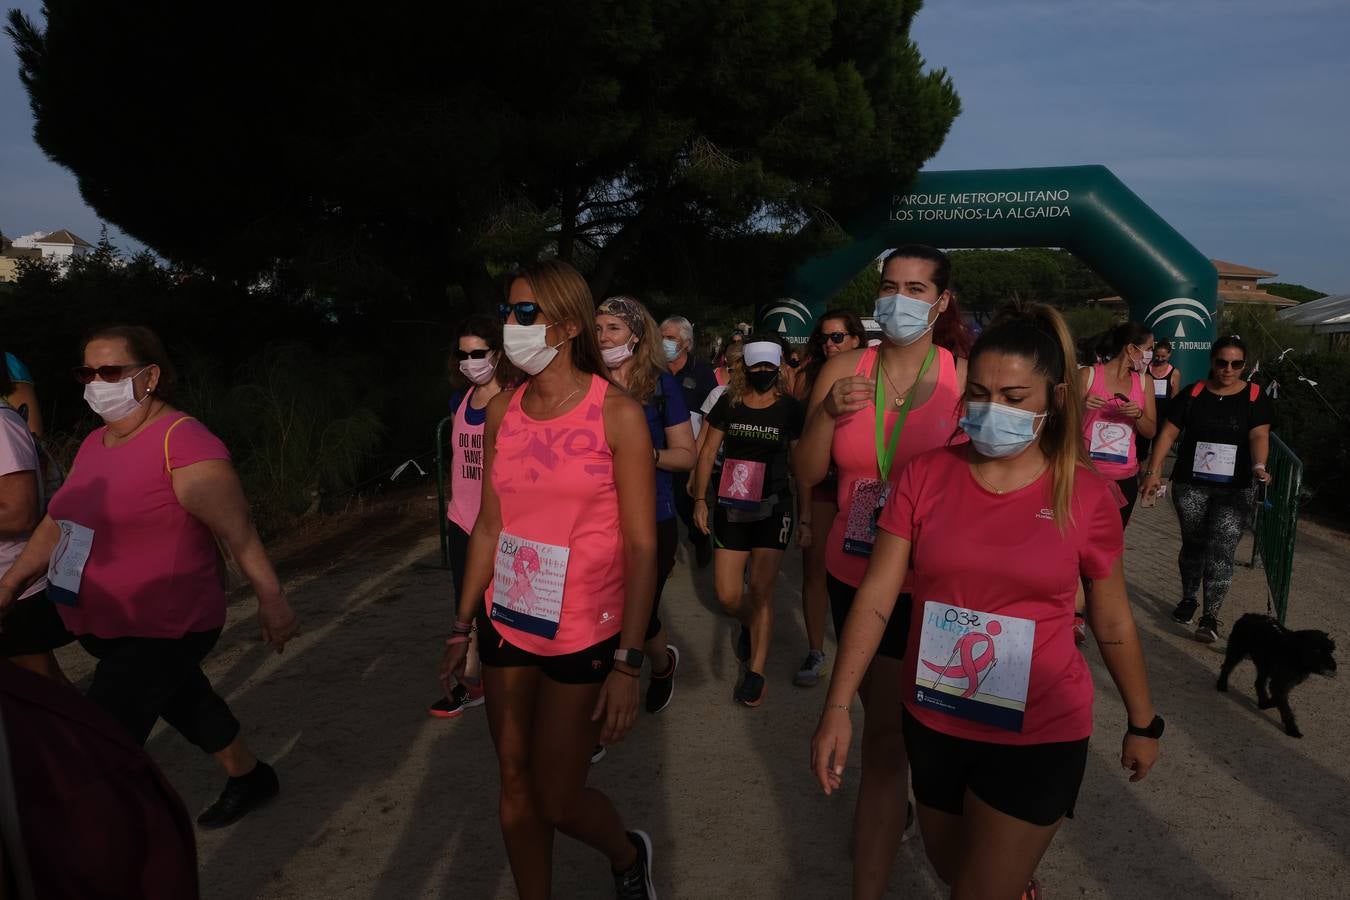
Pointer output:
379, 801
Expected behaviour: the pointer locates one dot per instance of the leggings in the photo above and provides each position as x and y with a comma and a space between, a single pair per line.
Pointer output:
1212, 519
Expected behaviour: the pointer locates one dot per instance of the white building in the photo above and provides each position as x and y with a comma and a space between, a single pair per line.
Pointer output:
61, 246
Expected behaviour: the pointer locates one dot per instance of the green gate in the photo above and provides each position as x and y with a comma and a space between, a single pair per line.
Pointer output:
440, 490
1276, 523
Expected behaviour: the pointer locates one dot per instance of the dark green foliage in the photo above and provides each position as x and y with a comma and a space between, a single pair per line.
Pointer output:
1292, 291
381, 158
1308, 424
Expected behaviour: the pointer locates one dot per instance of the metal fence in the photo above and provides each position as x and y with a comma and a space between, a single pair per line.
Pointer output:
1276, 522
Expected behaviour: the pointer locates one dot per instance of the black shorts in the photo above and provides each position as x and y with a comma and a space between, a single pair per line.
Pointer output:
893, 639
1037, 783
773, 533
32, 626
589, 666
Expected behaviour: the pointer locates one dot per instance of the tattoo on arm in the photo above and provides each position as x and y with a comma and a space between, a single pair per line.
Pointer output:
877, 613
1112, 643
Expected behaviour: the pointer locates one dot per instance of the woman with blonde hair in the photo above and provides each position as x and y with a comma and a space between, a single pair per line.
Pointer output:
559, 580
997, 532
631, 346
758, 423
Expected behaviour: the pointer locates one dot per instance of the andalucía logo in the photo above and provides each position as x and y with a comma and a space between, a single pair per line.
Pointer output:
789, 319
1180, 308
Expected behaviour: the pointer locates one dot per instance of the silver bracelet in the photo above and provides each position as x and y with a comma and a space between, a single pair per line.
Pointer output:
843, 706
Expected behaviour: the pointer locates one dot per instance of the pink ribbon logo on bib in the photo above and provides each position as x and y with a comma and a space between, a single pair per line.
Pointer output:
524, 566
971, 665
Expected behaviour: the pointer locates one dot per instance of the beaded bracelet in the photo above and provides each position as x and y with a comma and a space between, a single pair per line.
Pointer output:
457, 639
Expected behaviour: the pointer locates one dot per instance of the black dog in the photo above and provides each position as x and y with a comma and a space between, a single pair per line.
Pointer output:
1283, 660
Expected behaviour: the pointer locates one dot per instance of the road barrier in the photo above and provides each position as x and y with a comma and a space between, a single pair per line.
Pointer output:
1275, 525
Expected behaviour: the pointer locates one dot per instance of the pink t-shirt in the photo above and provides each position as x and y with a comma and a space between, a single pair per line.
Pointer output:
854, 453
559, 566
1108, 433
17, 454
1001, 554
152, 567
466, 467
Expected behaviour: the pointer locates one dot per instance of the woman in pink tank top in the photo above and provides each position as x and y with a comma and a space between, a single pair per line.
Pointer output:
479, 367
1117, 408
559, 579
871, 411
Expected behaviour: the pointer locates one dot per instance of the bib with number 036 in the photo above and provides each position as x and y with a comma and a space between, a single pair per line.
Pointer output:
742, 484
975, 665
527, 585
1111, 441
1214, 462
66, 567
869, 494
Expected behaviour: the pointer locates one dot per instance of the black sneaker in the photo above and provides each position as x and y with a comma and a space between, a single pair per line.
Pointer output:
241, 796
1184, 614
743, 645
1208, 630
662, 687
461, 698
809, 673
636, 882
598, 753
751, 690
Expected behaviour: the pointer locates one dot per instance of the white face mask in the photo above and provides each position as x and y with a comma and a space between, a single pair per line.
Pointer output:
113, 402
479, 371
617, 356
527, 347
1145, 358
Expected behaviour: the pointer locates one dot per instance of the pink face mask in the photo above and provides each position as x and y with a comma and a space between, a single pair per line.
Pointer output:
479, 371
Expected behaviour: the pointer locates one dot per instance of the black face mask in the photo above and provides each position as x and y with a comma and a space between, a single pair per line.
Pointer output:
762, 381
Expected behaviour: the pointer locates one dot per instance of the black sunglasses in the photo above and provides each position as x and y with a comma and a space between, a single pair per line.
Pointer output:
834, 337
525, 310
110, 374
1229, 363
462, 355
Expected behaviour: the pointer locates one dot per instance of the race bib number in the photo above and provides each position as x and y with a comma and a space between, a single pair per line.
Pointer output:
860, 528
66, 568
1111, 442
975, 665
742, 484
1160, 388
1214, 462
527, 585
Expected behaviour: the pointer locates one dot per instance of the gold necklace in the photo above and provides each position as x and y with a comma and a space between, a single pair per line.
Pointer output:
568, 397
900, 398
1031, 480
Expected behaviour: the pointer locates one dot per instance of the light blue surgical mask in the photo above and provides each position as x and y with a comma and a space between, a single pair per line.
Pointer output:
671, 348
903, 319
999, 431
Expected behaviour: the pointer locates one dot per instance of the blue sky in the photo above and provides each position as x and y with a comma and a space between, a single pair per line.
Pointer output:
1229, 117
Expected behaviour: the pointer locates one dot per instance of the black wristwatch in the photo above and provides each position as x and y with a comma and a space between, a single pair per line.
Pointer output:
632, 657
1154, 729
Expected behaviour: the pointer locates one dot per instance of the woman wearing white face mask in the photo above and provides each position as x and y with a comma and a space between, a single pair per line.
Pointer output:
872, 410
563, 557
627, 334
478, 361
1118, 408
997, 700
132, 542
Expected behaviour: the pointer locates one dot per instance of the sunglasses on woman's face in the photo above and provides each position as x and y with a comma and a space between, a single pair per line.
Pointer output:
110, 374
525, 310
834, 337
461, 355
1229, 363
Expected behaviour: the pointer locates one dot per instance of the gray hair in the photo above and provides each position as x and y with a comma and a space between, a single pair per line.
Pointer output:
686, 328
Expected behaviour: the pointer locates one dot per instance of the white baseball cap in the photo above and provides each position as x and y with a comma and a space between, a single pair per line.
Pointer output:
759, 352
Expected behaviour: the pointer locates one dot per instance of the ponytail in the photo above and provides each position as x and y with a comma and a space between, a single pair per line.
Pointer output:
1038, 333
1112, 341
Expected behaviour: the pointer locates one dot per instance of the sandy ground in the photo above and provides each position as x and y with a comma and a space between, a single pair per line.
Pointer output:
380, 801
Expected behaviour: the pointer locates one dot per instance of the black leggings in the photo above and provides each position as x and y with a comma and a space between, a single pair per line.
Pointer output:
1212, 520
140, 680
1130, 488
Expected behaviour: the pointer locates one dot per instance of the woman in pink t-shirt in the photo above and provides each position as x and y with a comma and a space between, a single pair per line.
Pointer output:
1118, 408
129, 548
479, 363
997, 700
560, 578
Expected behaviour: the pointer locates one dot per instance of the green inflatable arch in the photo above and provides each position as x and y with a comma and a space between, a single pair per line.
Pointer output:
1168, 284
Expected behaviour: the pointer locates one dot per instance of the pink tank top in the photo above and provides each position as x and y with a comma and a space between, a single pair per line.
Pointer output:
854, 453
558, 582
466, 467
1109, 433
